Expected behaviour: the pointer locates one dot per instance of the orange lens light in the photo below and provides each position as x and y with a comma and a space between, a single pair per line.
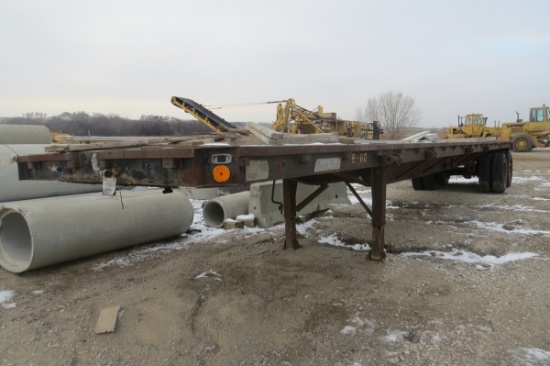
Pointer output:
221, 173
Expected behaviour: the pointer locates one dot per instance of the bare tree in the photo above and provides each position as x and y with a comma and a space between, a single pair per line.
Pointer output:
396, 113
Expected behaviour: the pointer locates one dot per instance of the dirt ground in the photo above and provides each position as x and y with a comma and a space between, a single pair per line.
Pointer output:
256, 304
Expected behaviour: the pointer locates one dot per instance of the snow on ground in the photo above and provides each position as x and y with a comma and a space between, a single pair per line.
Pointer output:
199, 232
5, 299
482, 262
495, 226
520, 180
334, 240
530, 356
518, 207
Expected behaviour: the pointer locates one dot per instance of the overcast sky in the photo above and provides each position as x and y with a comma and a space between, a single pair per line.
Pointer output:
130, 57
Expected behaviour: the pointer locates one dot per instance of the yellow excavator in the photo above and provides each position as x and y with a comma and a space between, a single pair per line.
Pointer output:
525, 135
291, 118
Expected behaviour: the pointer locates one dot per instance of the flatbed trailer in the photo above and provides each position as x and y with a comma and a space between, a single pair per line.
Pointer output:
374, 164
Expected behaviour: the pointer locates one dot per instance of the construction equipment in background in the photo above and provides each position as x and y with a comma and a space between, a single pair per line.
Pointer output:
524, 135
58, 138
471, 125
207, 117
291, 118
529, 134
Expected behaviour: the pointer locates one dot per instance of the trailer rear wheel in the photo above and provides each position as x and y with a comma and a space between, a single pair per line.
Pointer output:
426, 183
442, 178
523, 143
429, 182
484, 172
510, 161
417, 184
499, 173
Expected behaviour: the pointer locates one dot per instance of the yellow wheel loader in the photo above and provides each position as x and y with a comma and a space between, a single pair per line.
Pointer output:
525, 135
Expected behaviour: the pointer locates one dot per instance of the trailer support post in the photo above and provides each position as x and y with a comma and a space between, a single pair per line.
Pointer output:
378, 214
289, 210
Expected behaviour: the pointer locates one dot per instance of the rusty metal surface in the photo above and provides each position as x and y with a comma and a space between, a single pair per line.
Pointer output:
172, 165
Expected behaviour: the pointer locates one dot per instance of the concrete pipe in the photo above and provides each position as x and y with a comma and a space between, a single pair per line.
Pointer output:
24, 134
42, 232
218, 209
15, 190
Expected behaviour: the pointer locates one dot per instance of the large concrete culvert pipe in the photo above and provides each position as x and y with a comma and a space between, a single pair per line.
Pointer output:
12, 189
217, 210
42, 232
24, 134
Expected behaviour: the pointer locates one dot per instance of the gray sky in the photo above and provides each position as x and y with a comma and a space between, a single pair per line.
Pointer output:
130, 57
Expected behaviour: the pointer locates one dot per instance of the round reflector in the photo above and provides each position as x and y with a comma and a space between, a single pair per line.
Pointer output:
221, 173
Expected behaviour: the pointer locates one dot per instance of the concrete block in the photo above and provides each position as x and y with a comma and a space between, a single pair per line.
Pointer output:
268, 213
232, 224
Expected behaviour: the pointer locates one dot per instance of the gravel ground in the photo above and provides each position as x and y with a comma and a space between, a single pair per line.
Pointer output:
465, 282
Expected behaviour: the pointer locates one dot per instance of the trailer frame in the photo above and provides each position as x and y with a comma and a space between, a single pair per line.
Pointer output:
373, 164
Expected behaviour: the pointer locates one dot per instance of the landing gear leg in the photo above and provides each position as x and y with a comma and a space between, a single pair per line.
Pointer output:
289, 211
378, 214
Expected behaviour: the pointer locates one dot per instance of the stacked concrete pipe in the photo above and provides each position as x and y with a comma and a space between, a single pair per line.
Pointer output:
42, 232
24, 134
219, 209
12, 189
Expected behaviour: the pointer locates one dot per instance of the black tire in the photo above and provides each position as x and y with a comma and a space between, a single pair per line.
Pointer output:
484, 172
510, 161
522, 143
417, 184
429, 182
499, 173
442, 179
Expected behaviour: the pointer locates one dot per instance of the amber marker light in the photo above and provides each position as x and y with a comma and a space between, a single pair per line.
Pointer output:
221, 173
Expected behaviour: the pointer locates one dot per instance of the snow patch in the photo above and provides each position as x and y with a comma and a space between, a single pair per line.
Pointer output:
334, 240
495, 226
483, 262
5, 298
210, 274
393, 337
530, 356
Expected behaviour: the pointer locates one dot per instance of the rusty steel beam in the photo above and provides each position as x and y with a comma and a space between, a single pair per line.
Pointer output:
172, 165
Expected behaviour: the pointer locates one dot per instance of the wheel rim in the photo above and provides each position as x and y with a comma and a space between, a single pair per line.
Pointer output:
521, 144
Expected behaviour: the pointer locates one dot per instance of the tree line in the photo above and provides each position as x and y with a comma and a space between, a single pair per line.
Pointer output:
396, 113
84, 124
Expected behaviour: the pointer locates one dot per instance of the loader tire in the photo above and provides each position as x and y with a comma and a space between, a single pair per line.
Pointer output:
499, 173
484, 172
522, 143
510, 162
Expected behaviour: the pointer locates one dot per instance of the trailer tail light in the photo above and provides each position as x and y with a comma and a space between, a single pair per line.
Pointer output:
221, 173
